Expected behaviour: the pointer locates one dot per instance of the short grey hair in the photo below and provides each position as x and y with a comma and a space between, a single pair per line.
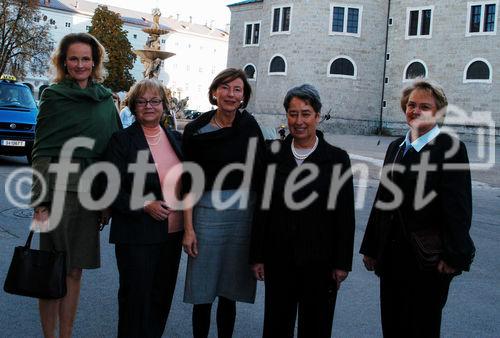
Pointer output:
304, 92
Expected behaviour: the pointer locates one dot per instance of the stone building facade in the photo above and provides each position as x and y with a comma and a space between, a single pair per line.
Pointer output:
361, 53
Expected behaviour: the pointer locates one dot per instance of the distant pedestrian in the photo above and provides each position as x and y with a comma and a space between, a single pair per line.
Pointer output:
416, 248
76, 105
304, 253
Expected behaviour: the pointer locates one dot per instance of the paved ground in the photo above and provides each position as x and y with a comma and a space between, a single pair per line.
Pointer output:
472, 309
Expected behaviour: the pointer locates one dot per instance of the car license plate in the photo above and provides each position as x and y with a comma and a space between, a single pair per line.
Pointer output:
12, 143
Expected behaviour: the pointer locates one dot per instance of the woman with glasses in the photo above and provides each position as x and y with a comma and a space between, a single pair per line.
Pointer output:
217, 236
147, 233
417, 236
76, 105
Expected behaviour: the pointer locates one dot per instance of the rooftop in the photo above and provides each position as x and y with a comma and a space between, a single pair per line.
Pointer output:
135, 18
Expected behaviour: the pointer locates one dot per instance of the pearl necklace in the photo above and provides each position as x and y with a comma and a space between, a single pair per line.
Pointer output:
156, 136
218, 124
304, 156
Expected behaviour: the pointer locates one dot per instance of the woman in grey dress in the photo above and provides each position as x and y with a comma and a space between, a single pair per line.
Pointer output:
217, 236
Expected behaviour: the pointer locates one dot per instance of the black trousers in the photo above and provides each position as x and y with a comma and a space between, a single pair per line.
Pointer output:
147, 282
311, 290
411, 300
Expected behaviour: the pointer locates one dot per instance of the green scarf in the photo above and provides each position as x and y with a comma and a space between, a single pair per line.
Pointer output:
68, 111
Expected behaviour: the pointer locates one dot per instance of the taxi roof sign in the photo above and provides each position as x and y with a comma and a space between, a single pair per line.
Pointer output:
8, 77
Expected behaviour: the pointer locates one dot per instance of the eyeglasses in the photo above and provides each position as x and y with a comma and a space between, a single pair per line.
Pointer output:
144, 103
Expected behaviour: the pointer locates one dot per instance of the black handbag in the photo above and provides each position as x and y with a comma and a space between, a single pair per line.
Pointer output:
426, 244
36, 273
428, 247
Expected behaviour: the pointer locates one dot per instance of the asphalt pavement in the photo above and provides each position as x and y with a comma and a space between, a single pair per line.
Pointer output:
472, 309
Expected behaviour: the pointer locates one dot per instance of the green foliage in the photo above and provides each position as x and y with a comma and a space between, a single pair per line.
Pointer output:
107, 27
25, 44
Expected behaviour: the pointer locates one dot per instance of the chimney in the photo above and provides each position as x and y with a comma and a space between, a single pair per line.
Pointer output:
46, 2
77, 4
211, 24
190, 19
177, 16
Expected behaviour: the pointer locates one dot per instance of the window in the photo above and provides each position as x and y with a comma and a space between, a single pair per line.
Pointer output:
481, 18
67, 24
384, 104
250, 72
252, 30
390, 22
388, 57
36, 19
277, 66
281, 19
345, 20
414, 69
342, 66
478, 70
419, 22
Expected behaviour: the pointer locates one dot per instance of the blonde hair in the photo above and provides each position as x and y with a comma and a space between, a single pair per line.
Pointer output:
58, 58
143, 86
430, 87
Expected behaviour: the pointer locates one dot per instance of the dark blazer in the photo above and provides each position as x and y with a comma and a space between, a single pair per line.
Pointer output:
315, 234
136, 226
449, 212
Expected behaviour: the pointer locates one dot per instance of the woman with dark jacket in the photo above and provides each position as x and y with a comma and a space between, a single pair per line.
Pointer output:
147, 231
417, 236
217, 229
76, 105
303, 250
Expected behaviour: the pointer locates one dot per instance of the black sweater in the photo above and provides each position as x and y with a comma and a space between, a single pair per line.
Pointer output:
214, 150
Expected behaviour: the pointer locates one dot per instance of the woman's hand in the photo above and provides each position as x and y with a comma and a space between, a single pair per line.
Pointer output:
104, 218
258, 271
40, 221
442, 267
339, 276
369, 263
189, 243
157, 209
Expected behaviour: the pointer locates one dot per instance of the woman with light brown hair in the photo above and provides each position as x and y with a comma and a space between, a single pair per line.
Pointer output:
417, 238
76, 105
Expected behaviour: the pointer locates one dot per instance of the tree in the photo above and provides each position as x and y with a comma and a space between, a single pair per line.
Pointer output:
25, 44
107, 27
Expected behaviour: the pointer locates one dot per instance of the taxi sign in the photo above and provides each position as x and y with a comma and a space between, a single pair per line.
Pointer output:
8, 77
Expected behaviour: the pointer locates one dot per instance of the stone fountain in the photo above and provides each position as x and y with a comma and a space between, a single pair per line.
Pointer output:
151, 56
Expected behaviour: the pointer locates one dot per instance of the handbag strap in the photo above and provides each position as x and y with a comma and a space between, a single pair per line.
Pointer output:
28, 241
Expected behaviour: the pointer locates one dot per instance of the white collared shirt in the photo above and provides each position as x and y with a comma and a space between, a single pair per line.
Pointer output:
420, 142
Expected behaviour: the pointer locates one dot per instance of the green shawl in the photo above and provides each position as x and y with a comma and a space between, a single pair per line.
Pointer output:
68, 111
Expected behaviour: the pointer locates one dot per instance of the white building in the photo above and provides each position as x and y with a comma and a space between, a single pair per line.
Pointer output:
200, 50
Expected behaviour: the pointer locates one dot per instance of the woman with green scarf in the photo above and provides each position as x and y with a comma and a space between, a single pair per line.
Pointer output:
76, 105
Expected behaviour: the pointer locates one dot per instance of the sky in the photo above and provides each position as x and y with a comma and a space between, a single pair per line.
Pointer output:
202, 11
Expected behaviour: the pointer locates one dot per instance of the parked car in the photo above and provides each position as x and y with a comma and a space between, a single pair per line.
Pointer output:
18, 112
191, 114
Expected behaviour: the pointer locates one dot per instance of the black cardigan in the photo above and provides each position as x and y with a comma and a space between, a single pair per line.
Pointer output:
215, 150
312, 235
136, 226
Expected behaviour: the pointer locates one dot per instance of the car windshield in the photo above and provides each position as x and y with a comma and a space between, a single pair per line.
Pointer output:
14, 96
